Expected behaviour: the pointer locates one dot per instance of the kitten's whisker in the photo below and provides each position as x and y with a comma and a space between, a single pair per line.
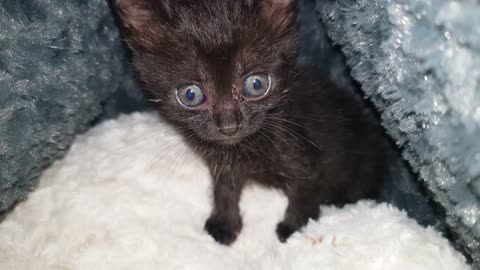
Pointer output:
305, 138
275, 133
173, 162
260, 147
171, 146
284, 120
270, 139
124, 151
166, 149
195, 141
288, 132
180, 155
176, 143
287, 31
324, 120
245, 151
155, 100
143, 139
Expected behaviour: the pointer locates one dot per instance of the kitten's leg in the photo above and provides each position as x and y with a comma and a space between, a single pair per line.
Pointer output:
225, 222
303, 204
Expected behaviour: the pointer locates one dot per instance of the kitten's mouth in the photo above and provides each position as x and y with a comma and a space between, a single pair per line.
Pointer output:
230, 140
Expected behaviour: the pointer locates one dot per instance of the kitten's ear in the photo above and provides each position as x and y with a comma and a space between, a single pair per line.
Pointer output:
142, 21
281, 13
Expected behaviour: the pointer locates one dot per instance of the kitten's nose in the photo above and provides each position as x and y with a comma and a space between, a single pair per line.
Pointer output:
228, 123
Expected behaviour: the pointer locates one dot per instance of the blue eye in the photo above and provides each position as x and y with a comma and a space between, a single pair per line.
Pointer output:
256, 85
190, 95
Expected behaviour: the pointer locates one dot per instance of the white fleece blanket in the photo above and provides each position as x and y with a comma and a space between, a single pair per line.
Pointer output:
130, 195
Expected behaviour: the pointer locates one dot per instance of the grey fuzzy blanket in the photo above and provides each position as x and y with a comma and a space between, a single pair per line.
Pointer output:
419, 62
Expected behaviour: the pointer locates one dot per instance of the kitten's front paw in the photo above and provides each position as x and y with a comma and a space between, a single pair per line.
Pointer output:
222, 231
284, 231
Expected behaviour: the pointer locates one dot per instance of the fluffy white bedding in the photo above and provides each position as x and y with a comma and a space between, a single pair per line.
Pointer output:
129, 195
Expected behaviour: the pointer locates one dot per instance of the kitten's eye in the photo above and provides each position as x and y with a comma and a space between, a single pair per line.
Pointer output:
256, 85
190, 95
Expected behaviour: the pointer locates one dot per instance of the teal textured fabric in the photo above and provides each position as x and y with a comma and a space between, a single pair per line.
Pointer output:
419, 62
60, 61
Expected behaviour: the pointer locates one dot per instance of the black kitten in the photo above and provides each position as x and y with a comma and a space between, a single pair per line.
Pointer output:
223, 73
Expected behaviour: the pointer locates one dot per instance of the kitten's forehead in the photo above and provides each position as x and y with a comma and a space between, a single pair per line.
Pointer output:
208, 22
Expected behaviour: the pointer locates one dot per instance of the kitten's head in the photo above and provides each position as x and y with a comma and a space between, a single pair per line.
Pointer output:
214, 67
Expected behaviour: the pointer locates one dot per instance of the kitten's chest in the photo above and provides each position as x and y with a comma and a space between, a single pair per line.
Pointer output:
267, 168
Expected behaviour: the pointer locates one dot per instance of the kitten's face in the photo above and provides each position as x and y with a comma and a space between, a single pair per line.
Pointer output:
219, 68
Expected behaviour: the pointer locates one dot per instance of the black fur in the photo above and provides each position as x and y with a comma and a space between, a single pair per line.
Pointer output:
306, 137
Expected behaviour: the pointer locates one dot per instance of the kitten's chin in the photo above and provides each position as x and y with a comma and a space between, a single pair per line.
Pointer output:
224, 140
230, 140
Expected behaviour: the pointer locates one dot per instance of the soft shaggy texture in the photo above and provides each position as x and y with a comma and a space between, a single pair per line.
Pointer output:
60, 61
419, 62
130, 195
